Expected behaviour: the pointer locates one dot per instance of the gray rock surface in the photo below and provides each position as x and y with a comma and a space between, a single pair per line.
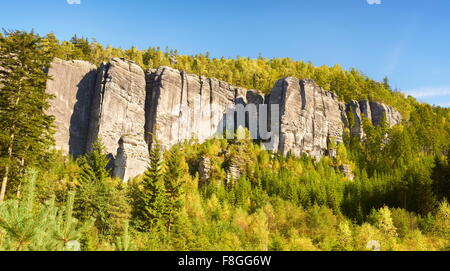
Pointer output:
118, 116
73, 85
347, 170
204, 169
184, 106
310, 117
128, 109
374, 111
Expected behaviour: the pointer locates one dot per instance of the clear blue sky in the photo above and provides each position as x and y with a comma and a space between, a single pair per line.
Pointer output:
406, 40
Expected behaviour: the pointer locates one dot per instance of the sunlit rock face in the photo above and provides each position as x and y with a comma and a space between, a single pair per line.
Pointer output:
374, 112
128, 108
118, 116
310, 117
184, 106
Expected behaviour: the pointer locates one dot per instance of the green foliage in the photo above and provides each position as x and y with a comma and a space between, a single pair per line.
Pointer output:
99, 197
176, 169
123, 242
150, 205
94, 165
249, 198
30, 226
25, 130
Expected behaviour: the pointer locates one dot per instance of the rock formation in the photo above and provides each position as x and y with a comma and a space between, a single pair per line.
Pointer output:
373, 111
310, 117
183, 106
73, 85
128, 108
118, 116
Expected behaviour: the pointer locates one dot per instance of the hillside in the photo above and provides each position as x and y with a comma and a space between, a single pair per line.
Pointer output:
128, 109
353, 162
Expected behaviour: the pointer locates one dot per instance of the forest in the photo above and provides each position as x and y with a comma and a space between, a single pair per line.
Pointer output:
48, 201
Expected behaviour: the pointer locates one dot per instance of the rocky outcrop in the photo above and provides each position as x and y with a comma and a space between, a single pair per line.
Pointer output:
73, 86
184, 106
375, 112
310, 117
204, 169
118, 116
347, 171
128, 108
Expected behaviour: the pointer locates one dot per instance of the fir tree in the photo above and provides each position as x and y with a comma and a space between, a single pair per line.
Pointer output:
97, 196
150, 206
176, 169
94, 164
25, 130
33, 226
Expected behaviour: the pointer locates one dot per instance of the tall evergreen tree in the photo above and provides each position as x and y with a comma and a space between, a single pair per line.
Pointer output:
150, 206
176, 169
99, 197
25, 130
94, 164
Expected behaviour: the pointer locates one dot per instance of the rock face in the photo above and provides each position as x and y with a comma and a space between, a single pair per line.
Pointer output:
73, 85
184, 106
118, 116
128, 108
373, 111
310, 117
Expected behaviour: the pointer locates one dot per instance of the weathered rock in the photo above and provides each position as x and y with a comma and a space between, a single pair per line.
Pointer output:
204, 169
73, 85
379, 110
127, 109
374, 111
118, 116
183, 106
310, 117
348, 172
355, 125
233, 174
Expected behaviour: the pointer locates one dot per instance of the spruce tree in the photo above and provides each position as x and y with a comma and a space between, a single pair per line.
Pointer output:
176, 168
95, 193
25, 130
150, 206
94, 164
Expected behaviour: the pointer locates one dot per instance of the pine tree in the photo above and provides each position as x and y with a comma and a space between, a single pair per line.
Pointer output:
150, 206
30, 225
25, 130
66, 226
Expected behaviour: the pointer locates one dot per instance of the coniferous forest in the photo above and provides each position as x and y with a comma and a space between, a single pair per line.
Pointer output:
398, 197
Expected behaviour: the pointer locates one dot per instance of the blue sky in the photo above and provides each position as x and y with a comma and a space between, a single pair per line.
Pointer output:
406, 40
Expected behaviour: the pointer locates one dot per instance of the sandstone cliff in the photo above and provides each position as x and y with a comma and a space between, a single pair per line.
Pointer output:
310, 117
118, 116
184, 106
73, 85
127, 108
374, 111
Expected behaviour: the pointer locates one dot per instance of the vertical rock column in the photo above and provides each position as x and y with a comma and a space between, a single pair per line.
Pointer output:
309, 117
183, 106
118, 116
73, 85
374, 112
